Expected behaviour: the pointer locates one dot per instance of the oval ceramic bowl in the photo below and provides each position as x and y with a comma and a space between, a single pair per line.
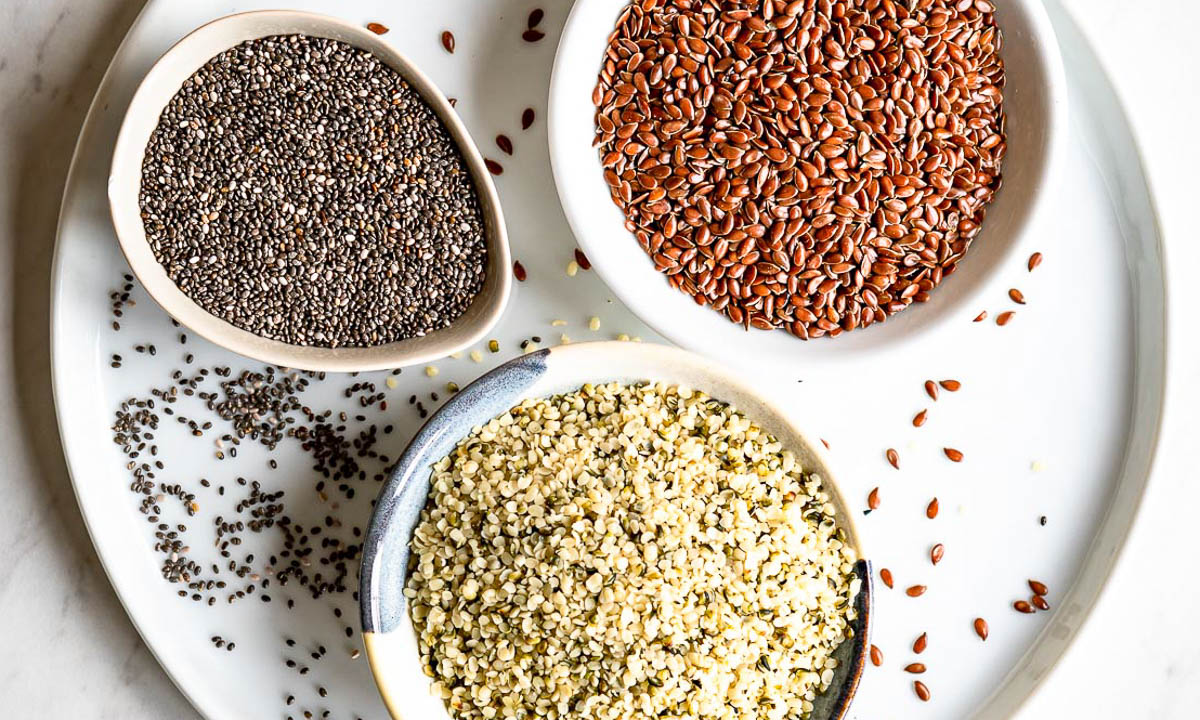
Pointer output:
1035, 101
388, 633
156, 90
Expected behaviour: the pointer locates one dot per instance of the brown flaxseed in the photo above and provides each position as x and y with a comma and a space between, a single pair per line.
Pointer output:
582, 259
1022, 606
1039, 602
954, 455
1003, 318
915, 590
981, 628
1038, 588
504, 144
931, 510
876, 656
886, 576
532, 35
921, 643
519, 271
915, 668
1035, 260
921, 691
377, 28
527, 116
919, 419
535, 18
1016, 296
950, 385
448, 41
873, 499
980, 317
893, 457
936, 553
931, 389
815, 171
493, 167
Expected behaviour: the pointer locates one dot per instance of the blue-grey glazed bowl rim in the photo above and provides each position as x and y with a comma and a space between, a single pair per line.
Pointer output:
387, 631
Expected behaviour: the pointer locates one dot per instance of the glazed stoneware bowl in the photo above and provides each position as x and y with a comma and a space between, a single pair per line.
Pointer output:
388, 633
124, 182
1036, 105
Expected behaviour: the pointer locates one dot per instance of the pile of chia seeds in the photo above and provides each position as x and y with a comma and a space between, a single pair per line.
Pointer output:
300, 189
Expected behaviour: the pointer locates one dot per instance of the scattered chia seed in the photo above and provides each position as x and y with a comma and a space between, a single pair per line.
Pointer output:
339, 213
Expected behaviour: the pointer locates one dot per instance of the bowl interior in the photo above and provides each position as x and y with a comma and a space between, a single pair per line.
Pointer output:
157, 89
389, 635
1035, 104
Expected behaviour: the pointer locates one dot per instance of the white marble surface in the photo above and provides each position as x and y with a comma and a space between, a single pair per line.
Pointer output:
69, 650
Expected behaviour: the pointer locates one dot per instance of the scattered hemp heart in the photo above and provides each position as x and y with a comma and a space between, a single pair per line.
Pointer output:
553, 547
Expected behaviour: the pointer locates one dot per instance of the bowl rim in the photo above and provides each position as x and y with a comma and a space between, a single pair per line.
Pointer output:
523, 377
125, 167
825, 357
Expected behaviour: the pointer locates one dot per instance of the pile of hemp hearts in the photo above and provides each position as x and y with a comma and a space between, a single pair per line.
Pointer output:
298, 188
628, 552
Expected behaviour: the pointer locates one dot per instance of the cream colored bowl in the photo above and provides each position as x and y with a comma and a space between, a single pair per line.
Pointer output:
124, 181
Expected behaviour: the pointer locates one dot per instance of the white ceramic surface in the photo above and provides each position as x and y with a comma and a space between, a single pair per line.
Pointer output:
160, 85
1082, 397
1036, 105
390, 638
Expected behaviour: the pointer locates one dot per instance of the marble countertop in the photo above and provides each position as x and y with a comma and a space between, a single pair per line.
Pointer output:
70, 651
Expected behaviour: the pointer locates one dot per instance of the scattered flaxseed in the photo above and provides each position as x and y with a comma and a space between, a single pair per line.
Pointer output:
920, 643
1035, 260
921, 691
931, 510
582, 260
504, 144
1016, 296
519, 271
893, 457
535, 18
914, 668
1040, 602
931, 389
527, 117
981, 628
936, 553
493, 167
981, 317
532, 36
876, 656
915, 591
1003, 318
954, 455
1022, 606
919, 419
377, 28
448, 41
1038, 588
873, 499
886, 576
950, 385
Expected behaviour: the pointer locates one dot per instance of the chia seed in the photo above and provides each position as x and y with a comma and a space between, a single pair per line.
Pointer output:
300, 189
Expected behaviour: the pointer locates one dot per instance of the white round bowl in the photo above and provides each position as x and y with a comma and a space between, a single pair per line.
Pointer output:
388, 634
124, 182
1036, 105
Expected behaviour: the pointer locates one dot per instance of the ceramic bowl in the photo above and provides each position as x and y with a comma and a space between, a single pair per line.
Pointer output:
388, 633
156, 90
1036, 104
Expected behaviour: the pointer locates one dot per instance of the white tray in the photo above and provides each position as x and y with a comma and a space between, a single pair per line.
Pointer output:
1074, 383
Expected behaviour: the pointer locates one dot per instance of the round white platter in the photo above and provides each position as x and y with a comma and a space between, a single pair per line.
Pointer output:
1058, 414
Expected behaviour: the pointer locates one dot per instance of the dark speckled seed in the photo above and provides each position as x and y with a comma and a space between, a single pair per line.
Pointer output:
339, 213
